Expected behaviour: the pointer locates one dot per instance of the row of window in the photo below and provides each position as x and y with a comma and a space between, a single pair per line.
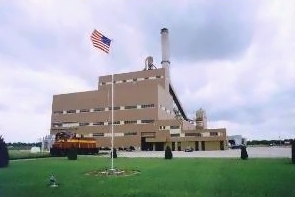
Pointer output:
116, 134
169, 127
211, 134
75, 124
99, 109
131, 80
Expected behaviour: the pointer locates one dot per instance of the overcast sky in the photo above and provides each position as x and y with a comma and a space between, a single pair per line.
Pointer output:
235, 59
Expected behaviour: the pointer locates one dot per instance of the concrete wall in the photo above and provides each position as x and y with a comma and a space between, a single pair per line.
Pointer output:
212, 145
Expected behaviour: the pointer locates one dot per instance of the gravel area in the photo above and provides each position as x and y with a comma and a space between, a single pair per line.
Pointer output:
261, 152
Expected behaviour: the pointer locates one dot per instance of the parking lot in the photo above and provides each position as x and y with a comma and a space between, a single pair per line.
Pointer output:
261, 152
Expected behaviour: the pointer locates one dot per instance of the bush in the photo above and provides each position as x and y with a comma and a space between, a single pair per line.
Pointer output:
168, 153
115, 153
72, 153
4, 156
293, 151
132, 148
244, 154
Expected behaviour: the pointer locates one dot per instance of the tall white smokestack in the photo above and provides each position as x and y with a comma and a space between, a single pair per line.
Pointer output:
165, 56
165, 47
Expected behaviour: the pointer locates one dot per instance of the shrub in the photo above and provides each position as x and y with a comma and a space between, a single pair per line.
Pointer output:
4, 157
293, 151
132, 148
115, 153
168, 153
244, 154
72, 153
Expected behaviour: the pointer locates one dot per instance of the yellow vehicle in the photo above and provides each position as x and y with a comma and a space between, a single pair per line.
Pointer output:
64, 141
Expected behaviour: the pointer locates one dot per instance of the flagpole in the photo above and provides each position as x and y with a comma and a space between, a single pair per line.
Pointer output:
112, 165
102, 42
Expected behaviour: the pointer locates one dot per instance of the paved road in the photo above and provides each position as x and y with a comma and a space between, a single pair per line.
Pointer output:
263, 152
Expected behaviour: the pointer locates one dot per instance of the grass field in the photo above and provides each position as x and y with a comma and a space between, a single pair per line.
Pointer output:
158, 177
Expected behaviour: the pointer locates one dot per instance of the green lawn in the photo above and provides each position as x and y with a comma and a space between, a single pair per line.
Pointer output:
158, 177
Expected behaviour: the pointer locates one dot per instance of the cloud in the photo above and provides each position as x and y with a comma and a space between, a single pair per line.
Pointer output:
234, 59
27, 97
204, 30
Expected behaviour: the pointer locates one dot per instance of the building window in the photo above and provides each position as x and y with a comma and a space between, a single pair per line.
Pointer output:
98, 123
115, 123
146, 78
130, 133
147, 121
58, 112
83, 124
213, 133
130, 122
103, 83
98, 109
70, 124
124, 80
162, 127
84, 110
193, 135
158, 76
147, 106
174, 127
98, 134
131, 107
115, 108
56, 124
71, 111
134, 79
175, 135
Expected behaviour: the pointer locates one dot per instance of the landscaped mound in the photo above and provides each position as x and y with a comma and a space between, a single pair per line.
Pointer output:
113, 173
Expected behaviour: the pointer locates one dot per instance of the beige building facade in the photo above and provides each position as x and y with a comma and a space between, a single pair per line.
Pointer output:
147, 113
144, 115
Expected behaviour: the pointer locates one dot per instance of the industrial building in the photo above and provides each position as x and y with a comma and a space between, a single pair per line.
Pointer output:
147, 112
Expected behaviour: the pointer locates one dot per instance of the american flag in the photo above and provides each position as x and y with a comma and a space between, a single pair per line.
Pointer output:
100, 41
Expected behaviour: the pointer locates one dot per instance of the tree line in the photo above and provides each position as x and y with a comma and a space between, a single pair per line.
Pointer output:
22, 145
270, 142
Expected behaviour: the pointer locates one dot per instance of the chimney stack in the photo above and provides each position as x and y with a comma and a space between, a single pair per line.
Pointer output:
165, 47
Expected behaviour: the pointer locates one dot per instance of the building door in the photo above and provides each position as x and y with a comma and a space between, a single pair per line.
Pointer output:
146, 145
221, 145
159, 146
203, 145
196, 145
179, 146
173, 146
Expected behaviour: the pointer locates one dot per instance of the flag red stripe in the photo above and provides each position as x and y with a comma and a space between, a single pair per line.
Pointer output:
105, 50
101, 47
101, 44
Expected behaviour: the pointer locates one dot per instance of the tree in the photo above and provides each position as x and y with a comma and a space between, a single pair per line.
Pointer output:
244, 154
293, 151
72, 153
168, 153
4, 156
